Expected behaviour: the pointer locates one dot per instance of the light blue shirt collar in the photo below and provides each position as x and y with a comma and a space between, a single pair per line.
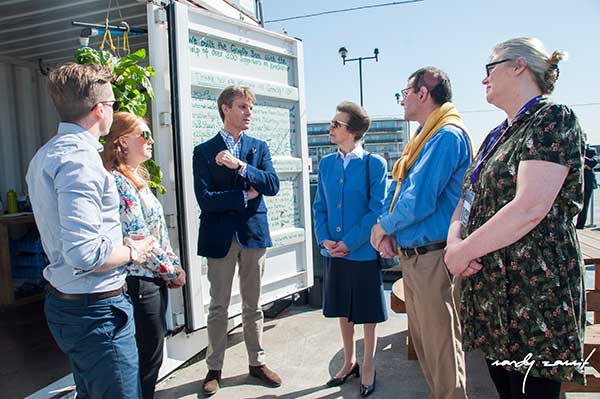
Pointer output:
72, 128
229, 137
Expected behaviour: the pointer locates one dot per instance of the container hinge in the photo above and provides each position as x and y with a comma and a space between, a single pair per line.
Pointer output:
160, 15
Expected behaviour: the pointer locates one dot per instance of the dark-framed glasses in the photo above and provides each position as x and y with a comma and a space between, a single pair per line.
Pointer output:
115, 104
335, 123
490, 67
405, 92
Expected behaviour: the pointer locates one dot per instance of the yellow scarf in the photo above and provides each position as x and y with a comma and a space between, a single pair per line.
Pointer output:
444, 115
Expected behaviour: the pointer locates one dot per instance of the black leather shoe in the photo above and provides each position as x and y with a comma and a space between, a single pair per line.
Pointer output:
366, 390
337, 381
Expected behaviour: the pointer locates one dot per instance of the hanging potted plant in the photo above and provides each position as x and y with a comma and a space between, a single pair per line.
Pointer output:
132, 87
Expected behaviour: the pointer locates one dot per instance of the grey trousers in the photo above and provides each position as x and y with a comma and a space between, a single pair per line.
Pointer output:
434, 323
251, 264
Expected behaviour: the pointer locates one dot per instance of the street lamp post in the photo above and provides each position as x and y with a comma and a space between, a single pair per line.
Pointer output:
343, 52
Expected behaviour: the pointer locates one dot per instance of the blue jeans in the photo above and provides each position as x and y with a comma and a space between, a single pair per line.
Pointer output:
99, 338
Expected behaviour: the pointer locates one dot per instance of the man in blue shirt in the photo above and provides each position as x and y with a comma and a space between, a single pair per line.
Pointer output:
428, 179
76, 208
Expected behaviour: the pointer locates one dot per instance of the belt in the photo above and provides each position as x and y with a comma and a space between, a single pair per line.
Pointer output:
93, 297
408, 252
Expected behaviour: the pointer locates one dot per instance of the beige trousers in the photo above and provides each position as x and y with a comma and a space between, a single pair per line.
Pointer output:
251, 264
434, 324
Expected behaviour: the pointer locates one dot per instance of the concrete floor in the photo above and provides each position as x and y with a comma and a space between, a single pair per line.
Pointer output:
305, 348
29, 358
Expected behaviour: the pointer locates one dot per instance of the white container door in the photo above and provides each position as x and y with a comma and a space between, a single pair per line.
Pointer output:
210, 52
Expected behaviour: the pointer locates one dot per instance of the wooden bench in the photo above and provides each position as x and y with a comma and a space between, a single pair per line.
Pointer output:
589, 242
398, 306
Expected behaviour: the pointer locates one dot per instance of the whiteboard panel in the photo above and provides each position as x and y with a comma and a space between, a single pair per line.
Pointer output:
212, 53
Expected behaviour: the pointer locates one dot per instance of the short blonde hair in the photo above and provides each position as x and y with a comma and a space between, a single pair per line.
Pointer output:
543, 66
75, 89
230, 93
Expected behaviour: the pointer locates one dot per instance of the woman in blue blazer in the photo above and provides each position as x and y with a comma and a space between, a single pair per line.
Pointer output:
349, 198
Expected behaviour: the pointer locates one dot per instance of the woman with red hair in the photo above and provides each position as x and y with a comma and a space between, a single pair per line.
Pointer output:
129, 144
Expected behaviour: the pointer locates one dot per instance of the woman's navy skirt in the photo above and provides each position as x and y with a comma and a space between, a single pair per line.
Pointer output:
353, 289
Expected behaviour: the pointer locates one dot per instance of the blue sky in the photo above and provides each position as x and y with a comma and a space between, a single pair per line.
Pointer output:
456, 36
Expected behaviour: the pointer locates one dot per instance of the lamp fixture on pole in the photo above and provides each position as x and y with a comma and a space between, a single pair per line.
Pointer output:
343, 52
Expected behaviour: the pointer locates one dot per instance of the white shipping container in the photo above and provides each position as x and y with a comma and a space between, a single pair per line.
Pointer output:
196, 53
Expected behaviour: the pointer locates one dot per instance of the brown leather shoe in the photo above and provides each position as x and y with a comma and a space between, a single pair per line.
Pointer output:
265, 374
210, 386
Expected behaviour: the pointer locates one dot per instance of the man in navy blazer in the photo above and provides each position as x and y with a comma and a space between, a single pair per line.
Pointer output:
232, 173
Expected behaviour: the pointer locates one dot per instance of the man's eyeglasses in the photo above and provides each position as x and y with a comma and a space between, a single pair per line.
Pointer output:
116, 104
405, 92
146, 135
335, 124
490, 67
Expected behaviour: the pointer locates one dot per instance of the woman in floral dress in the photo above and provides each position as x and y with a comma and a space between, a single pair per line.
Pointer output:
512, 235
127, 146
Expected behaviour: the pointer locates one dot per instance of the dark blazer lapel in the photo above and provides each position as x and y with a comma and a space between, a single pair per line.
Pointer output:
216, 145
248, 150
232, 174
219, 143
244, 147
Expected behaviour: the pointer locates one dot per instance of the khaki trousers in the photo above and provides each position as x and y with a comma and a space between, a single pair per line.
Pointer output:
251, 264
434, 324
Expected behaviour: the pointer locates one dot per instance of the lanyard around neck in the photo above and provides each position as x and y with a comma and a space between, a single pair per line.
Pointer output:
496, 137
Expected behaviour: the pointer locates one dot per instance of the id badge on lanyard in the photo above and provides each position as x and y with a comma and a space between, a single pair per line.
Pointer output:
466, 207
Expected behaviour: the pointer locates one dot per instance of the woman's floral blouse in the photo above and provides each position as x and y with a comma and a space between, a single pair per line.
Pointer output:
529, 297
142, 215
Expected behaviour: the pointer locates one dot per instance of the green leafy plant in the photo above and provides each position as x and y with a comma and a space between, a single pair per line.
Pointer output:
156, 176
132, 87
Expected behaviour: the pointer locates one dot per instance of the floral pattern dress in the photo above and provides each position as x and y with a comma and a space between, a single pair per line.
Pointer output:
142, 215
529, 297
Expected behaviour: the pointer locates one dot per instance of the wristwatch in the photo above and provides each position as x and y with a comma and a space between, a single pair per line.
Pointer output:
133, 253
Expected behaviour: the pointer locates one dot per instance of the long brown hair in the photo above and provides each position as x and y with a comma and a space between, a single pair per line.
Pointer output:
114, 155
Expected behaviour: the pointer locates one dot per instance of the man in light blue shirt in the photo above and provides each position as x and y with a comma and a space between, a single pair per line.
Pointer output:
419, 206
76, 207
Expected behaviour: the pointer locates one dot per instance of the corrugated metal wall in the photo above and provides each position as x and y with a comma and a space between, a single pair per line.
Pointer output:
35, 31
27, 121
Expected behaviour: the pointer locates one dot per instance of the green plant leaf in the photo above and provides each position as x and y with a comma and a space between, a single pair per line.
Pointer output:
88, 55
132, 86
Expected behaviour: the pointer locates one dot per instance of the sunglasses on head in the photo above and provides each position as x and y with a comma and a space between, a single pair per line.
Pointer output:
335, 124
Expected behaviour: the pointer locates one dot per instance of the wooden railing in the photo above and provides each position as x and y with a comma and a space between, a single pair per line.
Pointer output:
589, 241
